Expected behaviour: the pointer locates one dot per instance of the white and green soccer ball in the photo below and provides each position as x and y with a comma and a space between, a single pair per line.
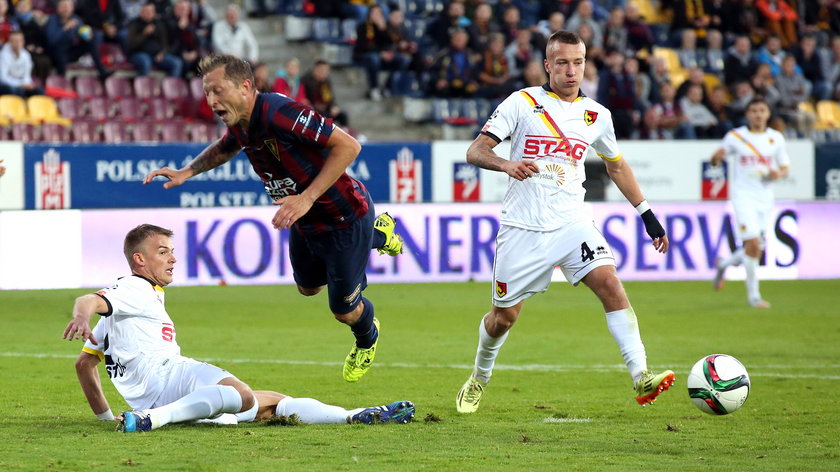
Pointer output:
718, 384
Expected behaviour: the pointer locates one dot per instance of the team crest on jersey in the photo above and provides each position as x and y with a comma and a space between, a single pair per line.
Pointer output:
589, 117
271, 144
501, 288
539, 109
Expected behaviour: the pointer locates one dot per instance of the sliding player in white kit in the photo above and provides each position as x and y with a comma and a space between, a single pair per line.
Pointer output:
144, 361
544, 222
757, 156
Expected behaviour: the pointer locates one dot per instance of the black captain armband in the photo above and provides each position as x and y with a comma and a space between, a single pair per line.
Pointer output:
652, 226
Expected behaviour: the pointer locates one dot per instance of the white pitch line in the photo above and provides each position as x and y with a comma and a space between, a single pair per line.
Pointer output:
552, 419
510, 367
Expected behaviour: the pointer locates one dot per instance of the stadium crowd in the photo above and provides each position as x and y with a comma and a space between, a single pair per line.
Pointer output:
667, 69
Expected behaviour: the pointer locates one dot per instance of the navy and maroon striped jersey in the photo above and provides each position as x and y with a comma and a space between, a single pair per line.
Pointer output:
286, 144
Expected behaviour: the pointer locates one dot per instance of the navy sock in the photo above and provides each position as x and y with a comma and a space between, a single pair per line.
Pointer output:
364, 330
378, 239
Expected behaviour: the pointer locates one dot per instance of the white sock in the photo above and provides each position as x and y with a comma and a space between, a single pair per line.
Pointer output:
249, 415
735, 259
224, 418
624, 328
488, 349
311, 411
204, 402
751, 264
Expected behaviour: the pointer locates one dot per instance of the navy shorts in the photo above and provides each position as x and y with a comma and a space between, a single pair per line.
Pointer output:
337, 259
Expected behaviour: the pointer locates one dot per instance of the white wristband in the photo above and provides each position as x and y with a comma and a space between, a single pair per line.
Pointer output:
643, 207
106, 415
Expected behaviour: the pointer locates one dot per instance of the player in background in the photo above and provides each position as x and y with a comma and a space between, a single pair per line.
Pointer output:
137, 339
544, 222
301, 158
757, 156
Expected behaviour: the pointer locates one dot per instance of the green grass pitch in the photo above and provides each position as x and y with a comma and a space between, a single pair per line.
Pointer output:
560, 398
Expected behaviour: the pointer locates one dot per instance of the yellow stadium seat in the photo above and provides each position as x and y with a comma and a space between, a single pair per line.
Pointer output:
43, 109
711, 81
828, 113
678, 77
808, 107
672, 60
13, 108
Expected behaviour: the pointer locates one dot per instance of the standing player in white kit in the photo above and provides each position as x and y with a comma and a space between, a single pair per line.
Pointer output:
544, 222
757, 156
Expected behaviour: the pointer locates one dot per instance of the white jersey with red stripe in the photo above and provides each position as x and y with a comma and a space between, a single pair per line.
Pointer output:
556, 135
136, 336
751, 158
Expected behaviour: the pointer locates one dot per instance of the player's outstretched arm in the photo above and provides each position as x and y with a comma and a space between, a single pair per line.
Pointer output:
622, 174
88, 377
717, 157
481, 154
83, 310
211, 157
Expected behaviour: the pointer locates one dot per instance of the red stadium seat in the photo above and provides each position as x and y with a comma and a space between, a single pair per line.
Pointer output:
161, 109
25, 132
116, 133
55, 133
87, 87
145, 131
59, 81
201, 132
146, 87
118, 87
174, 132
129, 109
176, 90
72, 108
84, 131
197, 88
100, 109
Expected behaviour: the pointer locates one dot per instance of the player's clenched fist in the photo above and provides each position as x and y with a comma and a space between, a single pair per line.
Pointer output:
521, 170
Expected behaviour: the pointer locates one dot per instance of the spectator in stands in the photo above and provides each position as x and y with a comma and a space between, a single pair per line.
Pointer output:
16, 68
106, 17
617, 92
405, 45
186, 42
494, 71
589, 83
529, 10
739, 65
831, 67
584, 15
794, 89
511, 23
202, 18
719, 106
687, 52
439, 30
639, 35
772, 54
481, 27
695, 77
535, 76
689, 14
593, 53
780, 19
703, 121
714, 56
821, 19
641, 82
672, 121
68, 39
741, 97
453, 72
739, 18
763, 83
8, 22
358, 9
652, 125
288, 82
319, 91
375, 51
131, 8
31, 22
555, 22
615, 34
812, 67
231, 36
520, 53
149, 45
261, 77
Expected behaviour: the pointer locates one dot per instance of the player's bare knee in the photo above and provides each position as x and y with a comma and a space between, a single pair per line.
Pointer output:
501, 320
308, 292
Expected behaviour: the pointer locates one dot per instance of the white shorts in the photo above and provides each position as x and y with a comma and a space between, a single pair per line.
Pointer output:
183, 375
752, 217
525, 259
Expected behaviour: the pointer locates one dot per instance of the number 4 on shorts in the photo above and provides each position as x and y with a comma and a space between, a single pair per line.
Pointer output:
586, 254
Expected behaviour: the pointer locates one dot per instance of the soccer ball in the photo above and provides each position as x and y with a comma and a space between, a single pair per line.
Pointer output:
718, 384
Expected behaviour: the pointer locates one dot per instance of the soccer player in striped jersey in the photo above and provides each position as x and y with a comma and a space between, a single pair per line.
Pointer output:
301, 158
757, 157
137, 340
544, 223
